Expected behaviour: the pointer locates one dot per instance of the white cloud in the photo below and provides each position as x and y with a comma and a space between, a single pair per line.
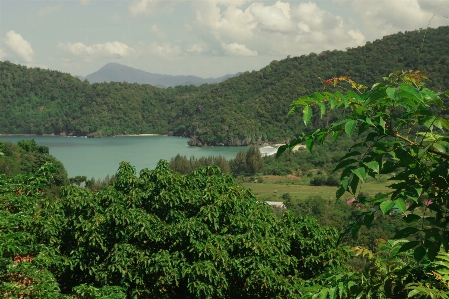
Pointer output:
144, 7
155, 29
49, 10
275, 18
84, 2
236, 49
282, 28
109, 49
3, 54
357, 36
19, 45
166, 50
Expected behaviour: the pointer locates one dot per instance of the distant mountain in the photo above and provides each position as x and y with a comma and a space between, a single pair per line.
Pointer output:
115, 72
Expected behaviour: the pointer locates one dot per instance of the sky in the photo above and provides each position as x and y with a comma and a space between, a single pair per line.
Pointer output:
206, 38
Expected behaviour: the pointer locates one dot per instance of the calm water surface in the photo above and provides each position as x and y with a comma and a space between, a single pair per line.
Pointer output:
98, 157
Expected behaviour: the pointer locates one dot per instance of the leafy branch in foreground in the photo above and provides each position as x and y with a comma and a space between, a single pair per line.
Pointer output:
402, 126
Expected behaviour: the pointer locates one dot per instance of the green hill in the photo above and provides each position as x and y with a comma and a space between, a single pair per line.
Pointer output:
250, 108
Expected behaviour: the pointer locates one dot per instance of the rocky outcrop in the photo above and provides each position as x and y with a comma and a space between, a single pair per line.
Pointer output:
194, 142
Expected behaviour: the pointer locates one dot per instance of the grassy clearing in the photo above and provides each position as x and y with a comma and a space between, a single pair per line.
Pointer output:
274, 186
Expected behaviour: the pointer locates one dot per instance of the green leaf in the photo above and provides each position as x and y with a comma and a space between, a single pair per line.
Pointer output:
408, 91
382, 123
411, 217
281, 149
353, 95
400, 203
413, 293
333, 293
405, 232
360, 172
307, 114
309, 143
439, 147
322, 108
340, 191
386, 206
351, 154
409, 245
368, 219
344, 163
373, 165
391, 92
350, 127
419, 253
444, 123
323, 293
354, 184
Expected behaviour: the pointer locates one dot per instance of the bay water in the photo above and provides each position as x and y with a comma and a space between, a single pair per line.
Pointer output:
98, 157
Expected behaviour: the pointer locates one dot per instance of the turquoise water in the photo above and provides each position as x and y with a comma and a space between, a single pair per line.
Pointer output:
98, 157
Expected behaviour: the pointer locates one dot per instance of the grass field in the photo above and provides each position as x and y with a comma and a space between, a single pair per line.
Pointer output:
274, 186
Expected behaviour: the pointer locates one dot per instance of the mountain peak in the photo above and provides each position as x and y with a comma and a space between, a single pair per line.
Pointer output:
116, 72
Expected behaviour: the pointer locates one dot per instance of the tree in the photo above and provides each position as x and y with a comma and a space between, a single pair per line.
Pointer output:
238, 165
254, 161
247, 163
403, 127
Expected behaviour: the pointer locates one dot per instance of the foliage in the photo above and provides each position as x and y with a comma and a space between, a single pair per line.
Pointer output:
182, 165
98, 184
159, 235
388, 273
399, 122
28, 248
27, 157
338, 214
247, 163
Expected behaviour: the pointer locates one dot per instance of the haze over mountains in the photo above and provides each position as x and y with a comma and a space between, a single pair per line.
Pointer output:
115, 72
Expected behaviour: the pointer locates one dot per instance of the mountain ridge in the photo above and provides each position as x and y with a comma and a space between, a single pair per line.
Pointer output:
116, 72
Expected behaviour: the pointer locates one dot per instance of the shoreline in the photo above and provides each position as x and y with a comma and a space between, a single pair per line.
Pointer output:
138, 135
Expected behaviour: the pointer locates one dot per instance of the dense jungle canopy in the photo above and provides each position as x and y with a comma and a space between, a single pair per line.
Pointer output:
250, 108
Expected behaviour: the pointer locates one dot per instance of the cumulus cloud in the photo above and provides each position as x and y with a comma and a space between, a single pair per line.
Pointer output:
144, 7
19, 46
236, 49
283, 28
110, 49
275, 18
48, 10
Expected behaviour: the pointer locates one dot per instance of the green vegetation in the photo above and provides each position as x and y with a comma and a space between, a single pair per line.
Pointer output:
403, 127
159, 235
27, 157
183, 165
247, 109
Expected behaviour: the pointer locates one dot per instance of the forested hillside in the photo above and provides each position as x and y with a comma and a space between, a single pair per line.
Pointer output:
250, 108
